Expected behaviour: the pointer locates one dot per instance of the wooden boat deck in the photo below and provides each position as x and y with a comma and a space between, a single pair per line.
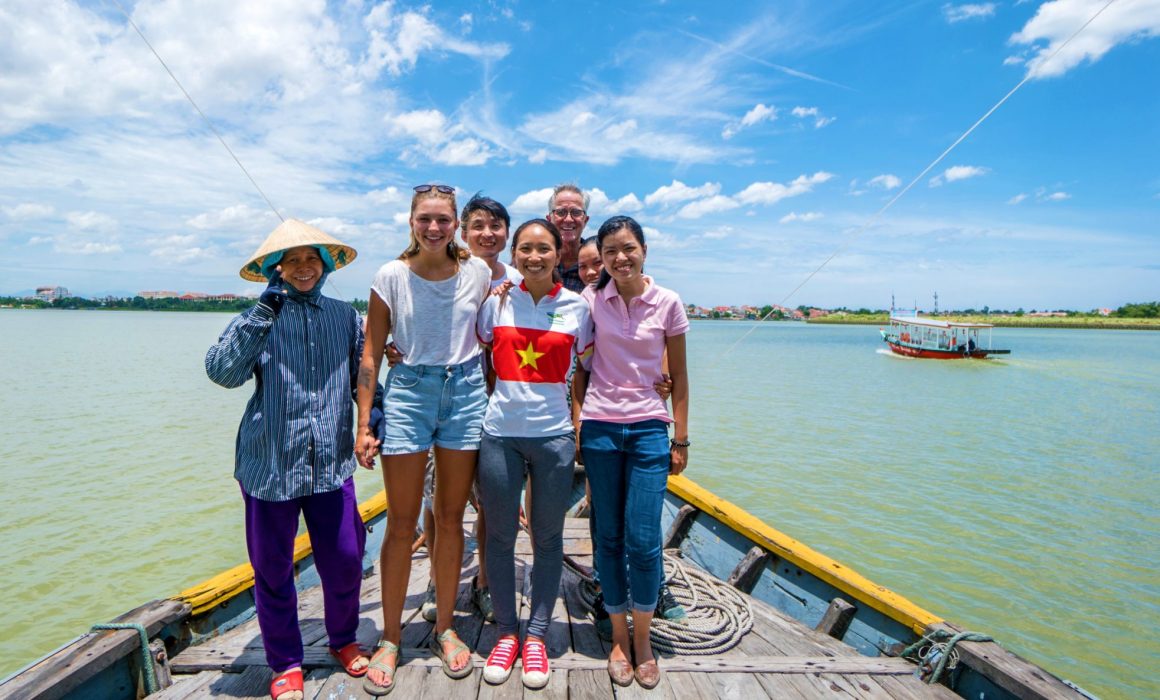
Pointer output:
780, 658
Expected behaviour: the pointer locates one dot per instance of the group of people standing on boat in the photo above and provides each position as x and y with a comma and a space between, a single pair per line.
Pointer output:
485, 358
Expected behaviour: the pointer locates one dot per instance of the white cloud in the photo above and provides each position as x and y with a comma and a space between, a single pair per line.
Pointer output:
91, 221
539, 156
885, 181
76, 247
820, 120
1017, 198
668, 195
1056, 197
718, 232
179, 248
387, 195
436, 140
239, 216
29, 210
617, 132
959, 13
759, 113
1057, 20
397, 40
534, 202
465, 22
709, 205
958, 172
773, 192
804, 217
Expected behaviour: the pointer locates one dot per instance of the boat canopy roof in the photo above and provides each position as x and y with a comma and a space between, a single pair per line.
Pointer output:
932, 323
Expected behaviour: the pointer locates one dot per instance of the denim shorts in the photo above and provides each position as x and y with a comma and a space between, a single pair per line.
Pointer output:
439, 405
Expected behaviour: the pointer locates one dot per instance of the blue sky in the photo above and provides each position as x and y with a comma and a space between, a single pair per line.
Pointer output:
753, 141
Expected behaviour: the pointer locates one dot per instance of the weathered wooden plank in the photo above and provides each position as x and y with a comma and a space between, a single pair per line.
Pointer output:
780, 687
185, 687
1009, 670
316, 657
251, 684
737, 685
692, 685
511, 689
857, 686
64, 671
439, 685
911, 688
748, 570
837, 618
682, 521
160, 664
589, 685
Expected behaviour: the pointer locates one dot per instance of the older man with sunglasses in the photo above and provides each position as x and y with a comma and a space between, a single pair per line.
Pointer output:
568, 210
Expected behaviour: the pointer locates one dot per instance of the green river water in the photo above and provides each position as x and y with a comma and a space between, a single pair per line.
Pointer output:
1018, 497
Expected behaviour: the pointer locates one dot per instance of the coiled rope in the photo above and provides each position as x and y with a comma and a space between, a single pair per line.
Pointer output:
718, 614
936, 652
146, 658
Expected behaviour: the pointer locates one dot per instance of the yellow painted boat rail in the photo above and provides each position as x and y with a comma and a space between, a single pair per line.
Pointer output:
841, 577
218, 589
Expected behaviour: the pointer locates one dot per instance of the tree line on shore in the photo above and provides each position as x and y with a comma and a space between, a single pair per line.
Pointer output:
138, 303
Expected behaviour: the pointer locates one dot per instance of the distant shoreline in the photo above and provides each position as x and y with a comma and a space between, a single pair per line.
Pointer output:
1071, 322
837, 319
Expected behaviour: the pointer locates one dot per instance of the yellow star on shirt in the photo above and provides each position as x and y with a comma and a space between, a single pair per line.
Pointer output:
528, 357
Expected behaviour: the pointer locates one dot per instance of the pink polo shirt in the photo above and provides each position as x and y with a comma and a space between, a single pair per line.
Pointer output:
629, 353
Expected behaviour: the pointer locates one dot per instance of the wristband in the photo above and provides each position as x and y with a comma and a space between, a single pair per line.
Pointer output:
679, 443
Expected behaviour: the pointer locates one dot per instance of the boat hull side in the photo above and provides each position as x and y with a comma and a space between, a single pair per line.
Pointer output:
927, 353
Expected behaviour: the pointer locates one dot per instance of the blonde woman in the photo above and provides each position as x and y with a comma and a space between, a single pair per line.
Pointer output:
428, 301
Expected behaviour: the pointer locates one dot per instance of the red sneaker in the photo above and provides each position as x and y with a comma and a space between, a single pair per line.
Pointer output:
501, 659
536, 671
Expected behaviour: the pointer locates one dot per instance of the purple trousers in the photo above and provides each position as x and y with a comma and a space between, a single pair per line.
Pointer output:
338, 538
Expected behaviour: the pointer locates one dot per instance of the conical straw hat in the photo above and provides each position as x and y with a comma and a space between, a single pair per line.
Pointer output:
292, 233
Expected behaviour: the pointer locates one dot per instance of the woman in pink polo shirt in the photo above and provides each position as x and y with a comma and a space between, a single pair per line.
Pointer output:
624, 437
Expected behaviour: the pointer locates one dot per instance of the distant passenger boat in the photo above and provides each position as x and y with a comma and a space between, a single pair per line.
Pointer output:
819, 629
940, 340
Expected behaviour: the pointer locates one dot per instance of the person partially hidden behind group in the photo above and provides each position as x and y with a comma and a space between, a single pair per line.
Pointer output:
295, 447
428, 300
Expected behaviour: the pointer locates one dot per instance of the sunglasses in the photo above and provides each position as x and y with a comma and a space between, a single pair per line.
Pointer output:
445, 189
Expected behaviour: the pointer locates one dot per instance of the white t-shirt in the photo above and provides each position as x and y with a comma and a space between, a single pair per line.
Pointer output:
532, 349
433, 323
510, 274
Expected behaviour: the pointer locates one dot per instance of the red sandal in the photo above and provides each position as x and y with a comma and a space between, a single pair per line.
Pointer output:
286, 682
348, 655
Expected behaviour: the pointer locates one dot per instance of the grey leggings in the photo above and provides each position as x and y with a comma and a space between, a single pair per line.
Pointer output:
503, 464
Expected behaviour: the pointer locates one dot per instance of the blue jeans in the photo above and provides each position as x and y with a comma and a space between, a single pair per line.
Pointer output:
628, 471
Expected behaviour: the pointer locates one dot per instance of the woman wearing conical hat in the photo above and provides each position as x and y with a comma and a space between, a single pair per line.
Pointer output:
295, 447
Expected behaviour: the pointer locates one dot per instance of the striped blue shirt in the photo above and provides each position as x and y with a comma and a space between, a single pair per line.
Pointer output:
296, 438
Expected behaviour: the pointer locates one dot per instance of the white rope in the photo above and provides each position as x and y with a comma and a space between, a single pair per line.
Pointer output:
718, 614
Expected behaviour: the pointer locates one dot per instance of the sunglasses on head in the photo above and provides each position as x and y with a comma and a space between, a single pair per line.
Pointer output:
445, 189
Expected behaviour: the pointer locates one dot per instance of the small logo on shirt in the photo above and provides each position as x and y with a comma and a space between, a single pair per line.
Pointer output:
556, 319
